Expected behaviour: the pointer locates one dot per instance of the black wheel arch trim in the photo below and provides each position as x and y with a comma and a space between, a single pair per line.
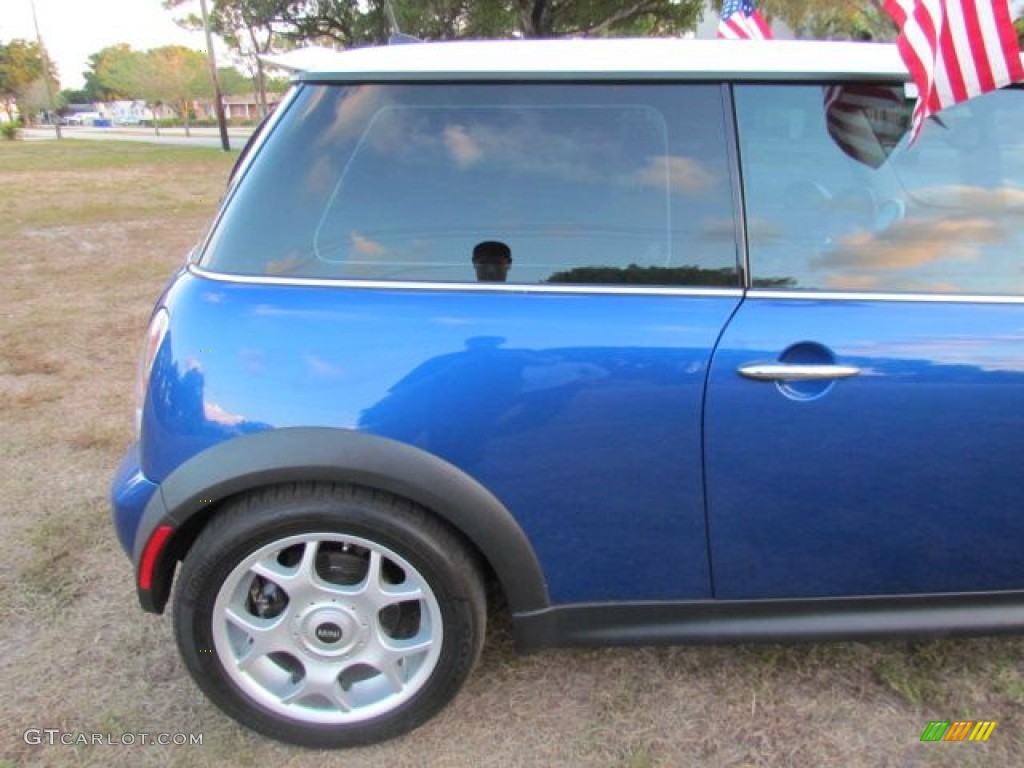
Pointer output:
322, 454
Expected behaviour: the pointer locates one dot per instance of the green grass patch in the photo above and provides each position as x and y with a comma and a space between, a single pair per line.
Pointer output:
72, 154
956, 675
914, 682
1010, 685
111, 212
60, 543
50, 185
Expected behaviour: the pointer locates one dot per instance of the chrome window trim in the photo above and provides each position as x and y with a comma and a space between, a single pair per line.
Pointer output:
752, 294
425, 285
919, 298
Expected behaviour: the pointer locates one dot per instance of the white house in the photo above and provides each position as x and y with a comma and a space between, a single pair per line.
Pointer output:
127, 112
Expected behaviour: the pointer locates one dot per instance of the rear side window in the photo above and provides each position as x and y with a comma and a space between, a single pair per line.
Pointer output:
545, 183
836, 201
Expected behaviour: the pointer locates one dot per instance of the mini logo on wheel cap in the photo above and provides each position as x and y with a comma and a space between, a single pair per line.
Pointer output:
328, 633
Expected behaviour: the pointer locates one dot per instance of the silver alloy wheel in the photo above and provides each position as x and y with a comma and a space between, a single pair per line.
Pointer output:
327, 628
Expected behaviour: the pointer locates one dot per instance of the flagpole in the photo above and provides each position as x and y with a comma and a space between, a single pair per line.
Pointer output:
46, 71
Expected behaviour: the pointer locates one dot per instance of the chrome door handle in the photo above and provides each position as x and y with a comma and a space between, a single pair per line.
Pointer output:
785, 372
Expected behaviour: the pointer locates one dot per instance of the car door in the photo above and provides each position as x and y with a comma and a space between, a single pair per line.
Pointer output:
865, 413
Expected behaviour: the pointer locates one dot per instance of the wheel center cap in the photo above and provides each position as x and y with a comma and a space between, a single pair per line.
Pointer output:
330, 629
328, 633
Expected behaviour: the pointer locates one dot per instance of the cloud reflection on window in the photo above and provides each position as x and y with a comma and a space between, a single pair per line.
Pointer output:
403, 181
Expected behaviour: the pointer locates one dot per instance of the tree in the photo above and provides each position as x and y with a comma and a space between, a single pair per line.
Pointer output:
355, 22
278, 84
249, 27
849, 22
586, 18
233, 82
175, 76
339, 21
21, 66
75, 96
439, 19
113, 73
38, 98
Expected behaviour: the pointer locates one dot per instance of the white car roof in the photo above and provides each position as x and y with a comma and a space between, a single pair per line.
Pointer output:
592, 59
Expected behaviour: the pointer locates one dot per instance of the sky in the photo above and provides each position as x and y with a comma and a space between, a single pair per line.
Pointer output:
72, 30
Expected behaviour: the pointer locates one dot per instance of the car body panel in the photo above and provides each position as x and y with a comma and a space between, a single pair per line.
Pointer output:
901, 480
131, 491
592, 441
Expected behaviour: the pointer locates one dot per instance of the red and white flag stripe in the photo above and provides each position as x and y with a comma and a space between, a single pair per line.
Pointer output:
955, 50
740, 27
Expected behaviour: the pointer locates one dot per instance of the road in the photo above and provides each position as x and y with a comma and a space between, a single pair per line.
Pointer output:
201, 137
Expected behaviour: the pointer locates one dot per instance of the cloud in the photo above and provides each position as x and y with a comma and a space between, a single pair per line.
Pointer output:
364, 246
573, 145
215, 413
970, 199
682, 175
353, 112
322, 176
525, 145
853, 282
998, 353
322, 368
911, 244
464, 149
285, 264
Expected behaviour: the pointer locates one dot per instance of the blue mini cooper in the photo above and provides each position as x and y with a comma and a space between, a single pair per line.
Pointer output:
649, 341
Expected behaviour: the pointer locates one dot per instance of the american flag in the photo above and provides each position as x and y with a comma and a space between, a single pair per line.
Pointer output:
742, 21
955, 50
865, 120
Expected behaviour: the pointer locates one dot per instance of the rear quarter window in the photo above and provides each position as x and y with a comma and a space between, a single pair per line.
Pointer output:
545, 183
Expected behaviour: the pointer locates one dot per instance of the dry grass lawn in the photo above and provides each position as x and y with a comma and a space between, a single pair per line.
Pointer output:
89, 231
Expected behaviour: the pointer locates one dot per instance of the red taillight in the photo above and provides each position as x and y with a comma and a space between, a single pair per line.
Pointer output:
158, 328
150, 554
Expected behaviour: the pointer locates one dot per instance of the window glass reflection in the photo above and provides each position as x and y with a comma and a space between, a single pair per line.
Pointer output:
853, 209
504, 183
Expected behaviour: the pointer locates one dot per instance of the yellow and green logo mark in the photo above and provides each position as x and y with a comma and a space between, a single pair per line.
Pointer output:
958, 730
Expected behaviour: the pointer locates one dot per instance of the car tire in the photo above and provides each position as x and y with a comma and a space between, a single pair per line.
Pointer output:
329, 615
